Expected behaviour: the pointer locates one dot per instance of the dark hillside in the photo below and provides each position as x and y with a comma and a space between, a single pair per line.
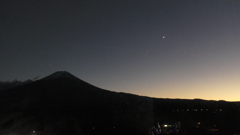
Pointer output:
62, 104
48, 105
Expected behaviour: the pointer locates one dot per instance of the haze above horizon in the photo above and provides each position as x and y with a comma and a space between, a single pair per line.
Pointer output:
182, 49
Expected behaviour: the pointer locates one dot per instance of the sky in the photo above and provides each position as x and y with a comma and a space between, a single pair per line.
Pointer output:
182, 49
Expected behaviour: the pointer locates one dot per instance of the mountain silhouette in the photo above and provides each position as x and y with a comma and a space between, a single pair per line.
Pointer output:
61, 75
62, 104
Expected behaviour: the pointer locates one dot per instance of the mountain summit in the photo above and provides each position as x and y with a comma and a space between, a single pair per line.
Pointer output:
61, 74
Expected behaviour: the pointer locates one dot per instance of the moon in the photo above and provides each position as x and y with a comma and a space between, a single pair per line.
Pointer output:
163, 37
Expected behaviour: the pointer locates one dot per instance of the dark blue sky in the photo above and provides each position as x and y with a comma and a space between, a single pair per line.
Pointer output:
119, 45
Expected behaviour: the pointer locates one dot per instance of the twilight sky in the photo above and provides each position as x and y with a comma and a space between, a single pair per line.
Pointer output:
160, 48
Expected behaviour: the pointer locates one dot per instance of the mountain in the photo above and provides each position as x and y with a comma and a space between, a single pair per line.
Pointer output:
62, 104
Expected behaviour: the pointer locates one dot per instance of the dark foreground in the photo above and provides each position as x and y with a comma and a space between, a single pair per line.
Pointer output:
62, 104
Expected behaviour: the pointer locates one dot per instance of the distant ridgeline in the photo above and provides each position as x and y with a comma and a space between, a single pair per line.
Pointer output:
11, 84
62, 104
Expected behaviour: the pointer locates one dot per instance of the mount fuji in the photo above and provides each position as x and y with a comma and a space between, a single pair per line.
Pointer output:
62, 104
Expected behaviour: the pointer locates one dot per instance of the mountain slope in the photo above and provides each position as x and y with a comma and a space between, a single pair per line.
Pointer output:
78, 107
62, 104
